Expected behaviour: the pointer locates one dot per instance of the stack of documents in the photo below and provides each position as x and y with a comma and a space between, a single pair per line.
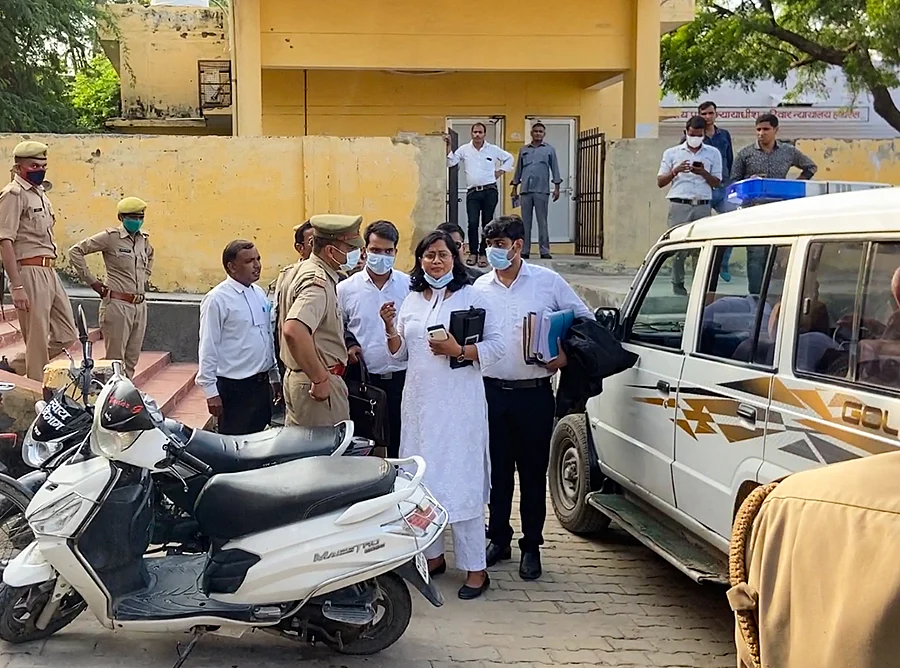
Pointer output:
541, 333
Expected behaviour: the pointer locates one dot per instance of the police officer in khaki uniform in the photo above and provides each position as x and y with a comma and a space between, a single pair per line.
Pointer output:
28, 250
312, 346
128, 257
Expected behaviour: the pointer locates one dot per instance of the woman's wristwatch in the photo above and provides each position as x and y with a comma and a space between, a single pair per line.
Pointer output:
462, 354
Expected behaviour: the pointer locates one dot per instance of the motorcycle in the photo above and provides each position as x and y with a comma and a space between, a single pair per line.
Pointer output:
314, 549
62, 423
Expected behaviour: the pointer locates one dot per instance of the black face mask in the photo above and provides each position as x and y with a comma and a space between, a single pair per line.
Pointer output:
36, 177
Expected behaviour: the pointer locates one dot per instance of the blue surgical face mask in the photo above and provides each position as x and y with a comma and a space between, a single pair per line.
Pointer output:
380, 264
439, 283
352, 259
498, 258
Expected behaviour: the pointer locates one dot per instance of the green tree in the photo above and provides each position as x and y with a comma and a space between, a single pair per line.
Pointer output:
743, 41
95, 94
42, 42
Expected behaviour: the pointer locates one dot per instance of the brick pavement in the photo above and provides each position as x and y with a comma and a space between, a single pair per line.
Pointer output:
603, 602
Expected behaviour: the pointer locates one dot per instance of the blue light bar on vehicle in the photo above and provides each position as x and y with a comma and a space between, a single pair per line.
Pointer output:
757, 190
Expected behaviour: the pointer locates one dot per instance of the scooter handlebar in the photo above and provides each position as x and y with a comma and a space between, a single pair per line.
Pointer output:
185, 457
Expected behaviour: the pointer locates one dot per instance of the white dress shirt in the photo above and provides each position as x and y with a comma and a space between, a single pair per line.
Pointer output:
536, 289
360, 301
480, 164
688, 185
236, 338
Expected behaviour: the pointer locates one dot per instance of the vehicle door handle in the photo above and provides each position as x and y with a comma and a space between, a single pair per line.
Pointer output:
663, 386
747, 412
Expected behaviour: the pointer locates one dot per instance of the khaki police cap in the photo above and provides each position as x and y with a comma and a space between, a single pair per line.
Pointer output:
30, 149
131, 205
338, 227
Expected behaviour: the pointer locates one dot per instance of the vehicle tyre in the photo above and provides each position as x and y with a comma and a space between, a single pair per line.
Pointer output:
15, 534
20, 608
570, 478
394, 608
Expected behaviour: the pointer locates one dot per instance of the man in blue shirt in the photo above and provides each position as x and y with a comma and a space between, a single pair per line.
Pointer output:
720, 139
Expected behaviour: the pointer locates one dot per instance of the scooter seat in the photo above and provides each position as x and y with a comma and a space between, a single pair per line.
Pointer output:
231, 454
231, 505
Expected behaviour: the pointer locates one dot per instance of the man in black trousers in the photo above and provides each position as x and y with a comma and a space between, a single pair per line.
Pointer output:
519, 395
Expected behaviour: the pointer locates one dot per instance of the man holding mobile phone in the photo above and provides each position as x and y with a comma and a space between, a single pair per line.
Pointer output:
692, 169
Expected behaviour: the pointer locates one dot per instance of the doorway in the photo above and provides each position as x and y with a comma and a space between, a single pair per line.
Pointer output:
561, 215
461, 133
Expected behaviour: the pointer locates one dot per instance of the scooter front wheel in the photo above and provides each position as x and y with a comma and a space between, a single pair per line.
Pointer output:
393, 612
21, 607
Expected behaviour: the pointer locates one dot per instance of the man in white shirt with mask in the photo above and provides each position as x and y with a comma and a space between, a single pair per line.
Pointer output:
693, 169
360, 298
238, 372
484, 164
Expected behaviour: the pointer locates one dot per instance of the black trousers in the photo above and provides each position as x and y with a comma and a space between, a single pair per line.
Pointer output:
393, 388
520, 425
480, 203
246, 404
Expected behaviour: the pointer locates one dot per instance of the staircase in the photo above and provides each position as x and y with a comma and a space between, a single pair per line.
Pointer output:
170, 384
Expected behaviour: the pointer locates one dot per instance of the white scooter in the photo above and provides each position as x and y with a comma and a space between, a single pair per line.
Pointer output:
315, 549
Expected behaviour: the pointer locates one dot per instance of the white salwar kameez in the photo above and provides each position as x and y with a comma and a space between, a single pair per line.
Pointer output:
444, 417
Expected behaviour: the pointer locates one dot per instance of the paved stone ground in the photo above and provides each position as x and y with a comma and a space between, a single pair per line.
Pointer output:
606, 602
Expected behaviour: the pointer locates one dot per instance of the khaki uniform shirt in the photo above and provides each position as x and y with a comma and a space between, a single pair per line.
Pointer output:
282, 297
26, 219
313, 301
128, 259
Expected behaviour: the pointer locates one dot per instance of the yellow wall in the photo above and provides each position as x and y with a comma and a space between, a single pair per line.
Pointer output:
446, 34
156, 50
857, 160
205, 191
360, 103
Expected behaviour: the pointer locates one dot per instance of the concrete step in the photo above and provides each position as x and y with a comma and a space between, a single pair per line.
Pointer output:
171, 385
192, 410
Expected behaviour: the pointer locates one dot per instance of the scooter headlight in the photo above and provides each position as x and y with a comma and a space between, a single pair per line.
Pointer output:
111, 444
51, 521
35, 453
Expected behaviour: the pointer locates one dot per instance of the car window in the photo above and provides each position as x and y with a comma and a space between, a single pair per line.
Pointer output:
827, 306
660, 317
739, 321
878, 359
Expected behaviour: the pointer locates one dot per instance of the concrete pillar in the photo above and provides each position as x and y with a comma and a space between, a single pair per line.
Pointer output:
640, 99
247, 65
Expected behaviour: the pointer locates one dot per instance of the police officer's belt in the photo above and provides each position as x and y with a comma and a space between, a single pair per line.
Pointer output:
126, 297
36, 262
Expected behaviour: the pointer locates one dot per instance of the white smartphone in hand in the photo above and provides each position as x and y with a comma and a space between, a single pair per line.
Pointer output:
437, 333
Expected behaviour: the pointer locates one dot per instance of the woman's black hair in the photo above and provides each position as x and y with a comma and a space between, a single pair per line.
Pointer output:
461, 278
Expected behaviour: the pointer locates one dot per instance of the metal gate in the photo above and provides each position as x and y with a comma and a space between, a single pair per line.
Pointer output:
589, 164
453, 182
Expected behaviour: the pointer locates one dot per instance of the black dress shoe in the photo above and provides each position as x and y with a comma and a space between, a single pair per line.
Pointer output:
546, 256
495, 553
525, 256
530, 566
438, 570
467, 593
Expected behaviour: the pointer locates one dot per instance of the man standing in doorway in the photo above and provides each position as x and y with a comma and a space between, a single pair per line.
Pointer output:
484, 164
237, 369
693, 169
28, 249
128, 258
772, 159
536, 164
360, 298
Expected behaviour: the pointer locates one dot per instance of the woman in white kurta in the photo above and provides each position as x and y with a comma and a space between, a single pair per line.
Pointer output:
444, 411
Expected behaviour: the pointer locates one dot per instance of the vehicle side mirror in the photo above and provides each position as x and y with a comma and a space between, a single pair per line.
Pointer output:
608, 317
81, 323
